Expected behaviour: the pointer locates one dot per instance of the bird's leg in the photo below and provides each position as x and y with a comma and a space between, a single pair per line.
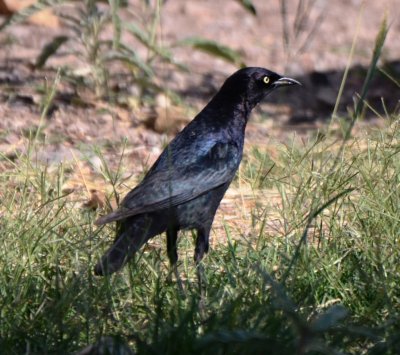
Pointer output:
202, 245
172, 236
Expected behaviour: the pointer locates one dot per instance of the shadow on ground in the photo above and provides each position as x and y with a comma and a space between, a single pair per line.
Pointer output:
304, 107
317, 98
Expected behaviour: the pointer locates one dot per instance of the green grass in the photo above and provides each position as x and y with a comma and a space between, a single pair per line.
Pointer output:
326, 282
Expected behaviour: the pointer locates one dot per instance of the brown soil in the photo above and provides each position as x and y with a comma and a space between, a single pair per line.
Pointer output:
77, 120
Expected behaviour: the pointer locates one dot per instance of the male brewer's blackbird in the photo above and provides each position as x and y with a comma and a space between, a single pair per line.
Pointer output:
184, 187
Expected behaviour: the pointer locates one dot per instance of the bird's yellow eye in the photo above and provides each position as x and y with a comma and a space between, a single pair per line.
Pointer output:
266, 79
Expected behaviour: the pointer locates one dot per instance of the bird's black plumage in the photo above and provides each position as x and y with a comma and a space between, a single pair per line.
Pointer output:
184, 187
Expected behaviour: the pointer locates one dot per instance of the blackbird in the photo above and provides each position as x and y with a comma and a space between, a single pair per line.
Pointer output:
184, 187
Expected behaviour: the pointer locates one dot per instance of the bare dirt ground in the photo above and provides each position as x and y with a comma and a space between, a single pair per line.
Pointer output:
317, 56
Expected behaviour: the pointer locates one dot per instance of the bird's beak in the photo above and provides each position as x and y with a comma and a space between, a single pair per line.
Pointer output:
285, 82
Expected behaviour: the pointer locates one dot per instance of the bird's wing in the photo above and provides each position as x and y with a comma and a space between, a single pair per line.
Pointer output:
174, 186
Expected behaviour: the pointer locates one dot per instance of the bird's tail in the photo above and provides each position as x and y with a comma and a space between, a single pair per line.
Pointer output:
131, 235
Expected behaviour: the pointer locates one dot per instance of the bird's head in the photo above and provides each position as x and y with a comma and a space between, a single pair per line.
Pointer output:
251, 85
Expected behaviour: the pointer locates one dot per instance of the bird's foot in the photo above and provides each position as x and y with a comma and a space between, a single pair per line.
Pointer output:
175, 273
202, 290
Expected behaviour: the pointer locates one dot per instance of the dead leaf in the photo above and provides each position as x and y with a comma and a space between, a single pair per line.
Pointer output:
166, 117
4, 10
45, 17
97, 200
